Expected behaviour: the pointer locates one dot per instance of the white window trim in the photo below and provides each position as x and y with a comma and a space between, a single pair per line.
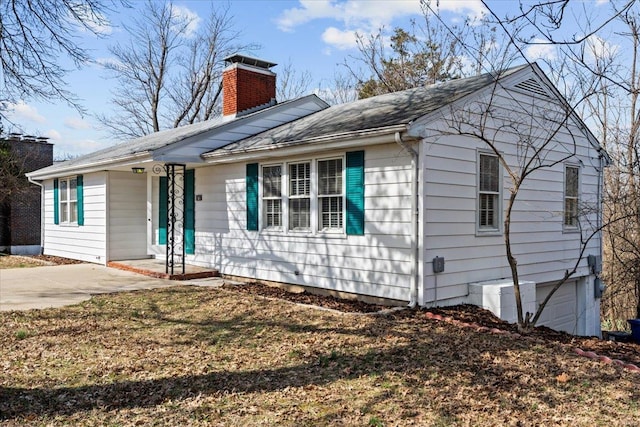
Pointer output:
261, 208
565, 227
314, 226
482, 231
288, 197
65, 221
341, 230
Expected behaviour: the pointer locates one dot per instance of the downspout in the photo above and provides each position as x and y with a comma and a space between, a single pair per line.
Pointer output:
41, 212
413, 299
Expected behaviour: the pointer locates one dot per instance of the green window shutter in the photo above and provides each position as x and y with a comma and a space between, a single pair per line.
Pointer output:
252, 196
355, 193
56, 202
190, 213
162, 212
80, 196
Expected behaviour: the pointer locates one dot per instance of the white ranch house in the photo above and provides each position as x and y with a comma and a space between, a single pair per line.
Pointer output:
381, 197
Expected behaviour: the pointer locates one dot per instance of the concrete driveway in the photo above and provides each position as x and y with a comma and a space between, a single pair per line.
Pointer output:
56, 286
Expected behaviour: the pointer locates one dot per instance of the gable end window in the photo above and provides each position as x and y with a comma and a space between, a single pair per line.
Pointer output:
489, 193
68, 200
571, 193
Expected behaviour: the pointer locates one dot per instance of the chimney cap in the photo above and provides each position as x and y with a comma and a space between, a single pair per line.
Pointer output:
241, 59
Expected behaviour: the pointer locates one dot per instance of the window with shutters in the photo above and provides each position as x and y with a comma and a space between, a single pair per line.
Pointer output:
489, 193
320, 195
68, 197
571, 193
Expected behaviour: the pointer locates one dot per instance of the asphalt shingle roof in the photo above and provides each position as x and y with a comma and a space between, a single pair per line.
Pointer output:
380, 111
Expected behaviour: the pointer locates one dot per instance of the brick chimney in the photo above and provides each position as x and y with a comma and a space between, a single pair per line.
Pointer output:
247, 83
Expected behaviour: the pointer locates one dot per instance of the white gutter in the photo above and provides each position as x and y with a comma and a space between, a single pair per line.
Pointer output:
335, 141
413, 299
41, 212
92, 166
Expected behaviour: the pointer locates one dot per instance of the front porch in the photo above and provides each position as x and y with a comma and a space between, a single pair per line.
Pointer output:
157, 268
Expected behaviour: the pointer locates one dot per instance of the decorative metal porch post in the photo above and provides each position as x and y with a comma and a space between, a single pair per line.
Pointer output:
175, 217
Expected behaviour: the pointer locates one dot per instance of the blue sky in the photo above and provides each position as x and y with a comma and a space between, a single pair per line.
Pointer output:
314, 35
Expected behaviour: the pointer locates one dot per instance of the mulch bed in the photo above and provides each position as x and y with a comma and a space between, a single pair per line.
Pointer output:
628, 352
57, 260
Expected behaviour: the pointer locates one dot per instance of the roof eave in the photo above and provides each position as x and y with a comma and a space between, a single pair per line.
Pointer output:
333, 141
92, 167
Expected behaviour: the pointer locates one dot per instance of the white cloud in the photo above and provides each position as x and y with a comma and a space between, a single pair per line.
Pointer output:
108, 62
22, 112
470, 8
77, 123
53, 135
352, 13
363, 17
187, 16
600, 48
340, 39
543, 50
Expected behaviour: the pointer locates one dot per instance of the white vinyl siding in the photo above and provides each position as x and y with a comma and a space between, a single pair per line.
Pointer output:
451, 217
377, 263
87, 242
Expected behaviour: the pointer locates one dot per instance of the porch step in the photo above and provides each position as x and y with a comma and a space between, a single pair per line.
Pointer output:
156, 269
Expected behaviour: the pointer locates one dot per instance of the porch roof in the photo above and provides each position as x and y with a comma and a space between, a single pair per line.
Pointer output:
227, 130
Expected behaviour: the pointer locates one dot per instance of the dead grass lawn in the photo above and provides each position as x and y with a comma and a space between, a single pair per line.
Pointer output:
202, 356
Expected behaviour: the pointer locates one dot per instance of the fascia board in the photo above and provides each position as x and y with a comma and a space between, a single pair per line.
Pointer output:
333, 142
130, 160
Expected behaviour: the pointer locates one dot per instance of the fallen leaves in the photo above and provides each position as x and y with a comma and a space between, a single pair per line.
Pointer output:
201, 356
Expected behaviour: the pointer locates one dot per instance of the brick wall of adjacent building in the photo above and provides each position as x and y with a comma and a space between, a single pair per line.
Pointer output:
20, 215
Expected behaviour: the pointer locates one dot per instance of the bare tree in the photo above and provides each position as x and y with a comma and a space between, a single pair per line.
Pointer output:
34, 35
601, 62
168, 73
341, 89
427, 52
292, 83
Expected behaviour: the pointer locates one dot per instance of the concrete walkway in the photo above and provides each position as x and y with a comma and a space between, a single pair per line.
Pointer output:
56, 286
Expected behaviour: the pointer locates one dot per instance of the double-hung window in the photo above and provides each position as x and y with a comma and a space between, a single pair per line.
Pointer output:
330, 194
571, 191
311, 196
488, 192
68, 200
300, 196
272, 196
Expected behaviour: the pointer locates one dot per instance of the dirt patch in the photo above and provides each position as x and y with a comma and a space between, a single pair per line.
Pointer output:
24, 261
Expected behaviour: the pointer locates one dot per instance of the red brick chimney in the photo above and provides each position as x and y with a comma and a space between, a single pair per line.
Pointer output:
247, 83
